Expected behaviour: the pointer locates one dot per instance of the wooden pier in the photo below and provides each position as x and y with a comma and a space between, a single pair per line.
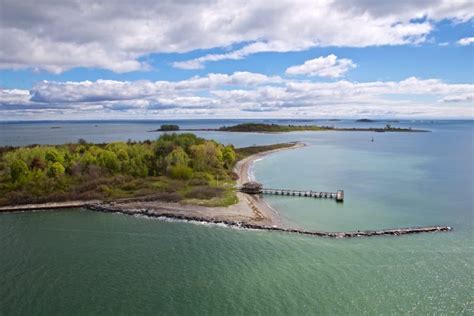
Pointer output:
338, 196
257, 188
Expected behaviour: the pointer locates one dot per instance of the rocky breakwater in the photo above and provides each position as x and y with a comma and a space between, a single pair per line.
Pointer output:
112, 208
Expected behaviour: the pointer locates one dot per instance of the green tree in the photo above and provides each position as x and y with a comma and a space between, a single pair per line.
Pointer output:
55, 170
18, 170
52, 155
108, 160
229, 156
87, 159
177, 158
206, 156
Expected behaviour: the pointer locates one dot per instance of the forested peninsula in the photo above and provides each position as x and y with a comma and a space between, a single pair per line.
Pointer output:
175, 168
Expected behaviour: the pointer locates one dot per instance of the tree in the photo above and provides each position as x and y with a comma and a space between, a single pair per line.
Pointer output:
206, 156
107, 159
56, 170
229, 156
87, 159
52, 155
177, 158
18, 170
37, 163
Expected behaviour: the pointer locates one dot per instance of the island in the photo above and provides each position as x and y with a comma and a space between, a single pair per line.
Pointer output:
279, 128
175, 168
168, 128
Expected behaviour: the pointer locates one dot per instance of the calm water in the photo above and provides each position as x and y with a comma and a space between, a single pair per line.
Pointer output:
80, 262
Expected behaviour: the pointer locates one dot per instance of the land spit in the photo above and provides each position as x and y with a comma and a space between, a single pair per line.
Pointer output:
251, 212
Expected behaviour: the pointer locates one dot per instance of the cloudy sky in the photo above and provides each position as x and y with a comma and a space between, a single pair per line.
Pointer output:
66, 59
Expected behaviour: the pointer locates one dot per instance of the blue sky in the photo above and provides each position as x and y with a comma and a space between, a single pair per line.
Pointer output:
343, 58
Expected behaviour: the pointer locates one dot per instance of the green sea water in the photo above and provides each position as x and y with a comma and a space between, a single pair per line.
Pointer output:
78, 262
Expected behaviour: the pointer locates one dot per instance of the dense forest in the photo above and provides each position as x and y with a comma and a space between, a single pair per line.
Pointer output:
174, 168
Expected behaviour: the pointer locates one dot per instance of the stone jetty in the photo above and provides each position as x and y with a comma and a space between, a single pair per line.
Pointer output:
363, 233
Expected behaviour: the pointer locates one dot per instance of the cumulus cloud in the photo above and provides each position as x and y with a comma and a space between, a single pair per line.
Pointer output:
116, 35
329, 66
466, 41
111, 90
237, 95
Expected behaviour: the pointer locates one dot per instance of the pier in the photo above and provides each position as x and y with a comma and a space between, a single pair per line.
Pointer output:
338, 196
257, 188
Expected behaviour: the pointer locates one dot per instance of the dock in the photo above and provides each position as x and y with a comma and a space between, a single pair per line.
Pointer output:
257, 188
338, 196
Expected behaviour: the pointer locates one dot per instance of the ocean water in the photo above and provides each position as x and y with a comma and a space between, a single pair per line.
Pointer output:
81, 262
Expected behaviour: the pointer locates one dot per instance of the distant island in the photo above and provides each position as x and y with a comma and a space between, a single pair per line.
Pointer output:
365, 121
277, 128
169, 128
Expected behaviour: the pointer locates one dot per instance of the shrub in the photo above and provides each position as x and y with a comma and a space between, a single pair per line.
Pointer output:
180, 172
196, 182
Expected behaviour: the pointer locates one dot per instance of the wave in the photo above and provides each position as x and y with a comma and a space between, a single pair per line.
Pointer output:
190, 221
251, 169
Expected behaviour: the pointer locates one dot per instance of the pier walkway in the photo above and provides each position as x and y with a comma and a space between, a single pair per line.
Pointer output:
338, 196
257, 188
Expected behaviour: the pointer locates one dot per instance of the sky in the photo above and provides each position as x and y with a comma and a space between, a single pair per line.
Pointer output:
138, 59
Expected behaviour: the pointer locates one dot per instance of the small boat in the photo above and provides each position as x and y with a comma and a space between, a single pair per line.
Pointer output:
372, 139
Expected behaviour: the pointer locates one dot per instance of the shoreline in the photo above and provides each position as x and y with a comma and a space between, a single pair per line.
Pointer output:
336, 129
251, 212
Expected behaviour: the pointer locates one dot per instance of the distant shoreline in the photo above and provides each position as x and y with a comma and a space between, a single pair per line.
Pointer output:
351, 129
276, 128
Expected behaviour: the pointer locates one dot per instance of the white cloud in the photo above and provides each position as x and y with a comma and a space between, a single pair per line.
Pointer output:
329, 66
60, 35
238, 95
111, 90
466, 41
